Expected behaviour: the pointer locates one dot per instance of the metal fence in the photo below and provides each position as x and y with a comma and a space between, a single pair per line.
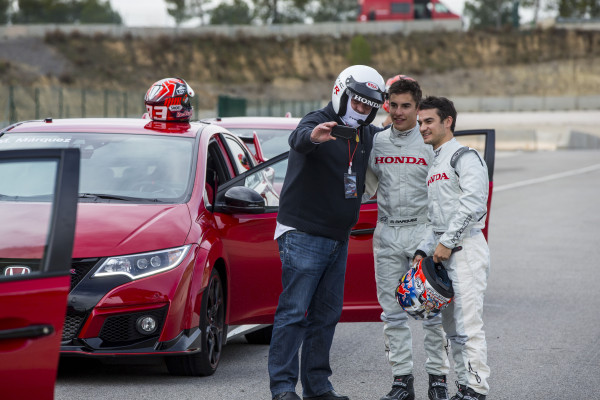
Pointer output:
24, 103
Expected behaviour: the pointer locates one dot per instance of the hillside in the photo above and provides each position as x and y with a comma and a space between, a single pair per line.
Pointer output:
543, 62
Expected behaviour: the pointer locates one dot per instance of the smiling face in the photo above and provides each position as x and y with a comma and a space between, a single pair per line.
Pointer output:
403, 111
434, 130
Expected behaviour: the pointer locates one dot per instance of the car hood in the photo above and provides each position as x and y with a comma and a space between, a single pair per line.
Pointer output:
102, 229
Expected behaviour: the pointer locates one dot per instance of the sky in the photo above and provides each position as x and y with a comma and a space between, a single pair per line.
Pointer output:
154, 12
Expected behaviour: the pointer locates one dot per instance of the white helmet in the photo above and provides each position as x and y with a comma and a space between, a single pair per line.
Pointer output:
364, 84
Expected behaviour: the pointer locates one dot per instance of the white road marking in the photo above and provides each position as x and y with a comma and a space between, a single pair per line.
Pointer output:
546, 178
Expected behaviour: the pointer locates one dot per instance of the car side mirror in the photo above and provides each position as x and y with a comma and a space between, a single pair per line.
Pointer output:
240, 199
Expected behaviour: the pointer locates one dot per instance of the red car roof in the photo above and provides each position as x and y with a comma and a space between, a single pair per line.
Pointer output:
108, 125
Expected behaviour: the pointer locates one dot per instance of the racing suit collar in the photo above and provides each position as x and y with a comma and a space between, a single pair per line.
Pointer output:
400, 138
439, 150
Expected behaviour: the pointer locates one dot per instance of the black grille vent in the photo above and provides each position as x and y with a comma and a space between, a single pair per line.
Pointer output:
71, 326
120, 330
80, 268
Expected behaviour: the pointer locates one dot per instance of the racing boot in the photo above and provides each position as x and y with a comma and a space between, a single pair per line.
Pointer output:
438, 390
460, 393
470, 394
402, 389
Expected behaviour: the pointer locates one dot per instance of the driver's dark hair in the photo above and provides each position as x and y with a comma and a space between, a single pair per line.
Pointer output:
443, 106
406, 86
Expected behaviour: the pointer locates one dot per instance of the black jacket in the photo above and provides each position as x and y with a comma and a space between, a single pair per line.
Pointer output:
313, 197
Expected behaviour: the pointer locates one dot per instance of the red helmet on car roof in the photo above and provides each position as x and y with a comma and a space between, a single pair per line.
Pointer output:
169, 100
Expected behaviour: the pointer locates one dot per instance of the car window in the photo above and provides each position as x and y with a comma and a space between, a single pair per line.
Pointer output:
119, 167
266, 179
272, 141
216, 170
240, 158
29, 190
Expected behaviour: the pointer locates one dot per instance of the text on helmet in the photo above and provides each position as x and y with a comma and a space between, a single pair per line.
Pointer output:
368, 102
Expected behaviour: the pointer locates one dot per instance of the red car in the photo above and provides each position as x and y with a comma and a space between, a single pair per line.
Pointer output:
174, 248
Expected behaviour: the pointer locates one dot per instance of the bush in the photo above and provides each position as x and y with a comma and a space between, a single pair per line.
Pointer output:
360, 51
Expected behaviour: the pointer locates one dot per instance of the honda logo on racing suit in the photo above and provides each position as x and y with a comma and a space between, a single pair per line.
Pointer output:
400, 160
17, 270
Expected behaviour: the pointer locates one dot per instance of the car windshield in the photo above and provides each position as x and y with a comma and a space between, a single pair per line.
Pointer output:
272, 141
114, 167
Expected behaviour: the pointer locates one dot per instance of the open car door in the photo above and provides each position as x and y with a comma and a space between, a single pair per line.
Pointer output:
40, 187
484, 141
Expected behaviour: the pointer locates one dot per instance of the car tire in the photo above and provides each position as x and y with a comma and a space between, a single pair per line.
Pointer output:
212, 323
261, 336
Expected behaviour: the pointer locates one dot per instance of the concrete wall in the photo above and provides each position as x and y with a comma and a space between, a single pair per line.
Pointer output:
316, 29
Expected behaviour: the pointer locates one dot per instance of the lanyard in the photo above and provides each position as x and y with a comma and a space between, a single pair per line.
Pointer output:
351, 157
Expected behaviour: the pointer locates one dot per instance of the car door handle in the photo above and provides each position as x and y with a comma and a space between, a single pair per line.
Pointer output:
361, 232
28, 332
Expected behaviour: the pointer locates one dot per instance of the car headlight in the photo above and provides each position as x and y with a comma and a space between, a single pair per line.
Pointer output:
140, 265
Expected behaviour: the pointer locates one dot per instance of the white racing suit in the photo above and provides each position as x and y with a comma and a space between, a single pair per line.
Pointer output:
457, 209
397, 171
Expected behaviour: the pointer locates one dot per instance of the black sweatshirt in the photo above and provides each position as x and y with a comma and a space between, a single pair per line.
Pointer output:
313, 197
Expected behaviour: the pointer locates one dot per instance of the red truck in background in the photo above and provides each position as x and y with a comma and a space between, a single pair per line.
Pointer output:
386, 10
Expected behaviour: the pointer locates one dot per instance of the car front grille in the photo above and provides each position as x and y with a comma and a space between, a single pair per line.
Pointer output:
120, 330
80, 268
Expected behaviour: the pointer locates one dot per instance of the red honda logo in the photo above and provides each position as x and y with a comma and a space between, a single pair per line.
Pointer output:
17, 270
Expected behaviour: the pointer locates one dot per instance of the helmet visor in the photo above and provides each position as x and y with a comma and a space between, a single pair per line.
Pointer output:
365, 92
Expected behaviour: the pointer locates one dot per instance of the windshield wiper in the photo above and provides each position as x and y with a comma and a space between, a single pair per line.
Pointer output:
36, 197
105, 196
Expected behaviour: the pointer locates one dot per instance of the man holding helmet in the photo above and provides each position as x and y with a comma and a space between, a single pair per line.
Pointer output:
457, 188
319, 204
398, 168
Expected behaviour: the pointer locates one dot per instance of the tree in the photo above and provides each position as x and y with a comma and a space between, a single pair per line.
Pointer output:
4, 5
281, 11
66, 11
335, 10
578, 8
184, 10
93, 12
236, 13
489, 13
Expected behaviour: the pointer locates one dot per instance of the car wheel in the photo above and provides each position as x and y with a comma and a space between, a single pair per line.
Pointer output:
261, 336
212, 322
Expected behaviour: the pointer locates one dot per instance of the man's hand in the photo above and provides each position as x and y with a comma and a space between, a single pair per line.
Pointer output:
416, 260
441, 253
322, 132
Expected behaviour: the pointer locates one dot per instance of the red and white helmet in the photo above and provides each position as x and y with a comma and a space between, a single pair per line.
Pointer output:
388, 83
425, 290
169, 100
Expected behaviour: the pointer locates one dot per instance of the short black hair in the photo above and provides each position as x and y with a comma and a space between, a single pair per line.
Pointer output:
406, 86
445, 108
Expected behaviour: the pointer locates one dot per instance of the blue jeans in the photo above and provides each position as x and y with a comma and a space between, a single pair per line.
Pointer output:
310, 305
